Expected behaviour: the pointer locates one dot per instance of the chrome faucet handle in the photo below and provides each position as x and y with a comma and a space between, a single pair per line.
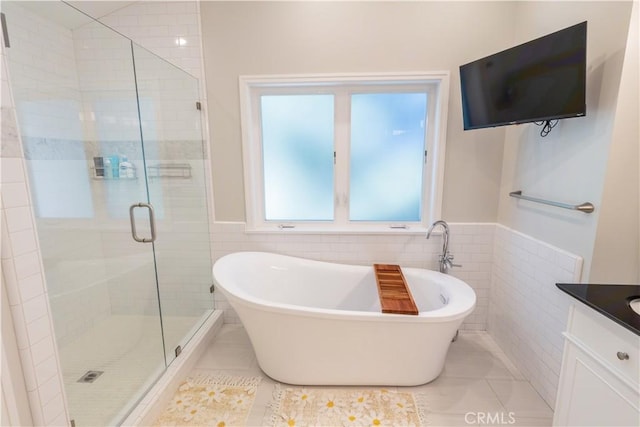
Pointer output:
447, 260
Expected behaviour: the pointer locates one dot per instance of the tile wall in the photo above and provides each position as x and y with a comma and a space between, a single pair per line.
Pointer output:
43, 75
471, 244
50, 64
47, 93
23, 276
86, 107
170, 29
527, 312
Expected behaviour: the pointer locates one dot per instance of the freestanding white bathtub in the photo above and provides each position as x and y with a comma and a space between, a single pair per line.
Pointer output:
318, 323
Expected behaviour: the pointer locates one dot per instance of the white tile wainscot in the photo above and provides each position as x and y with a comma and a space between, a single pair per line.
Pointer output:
527, 312
471, 243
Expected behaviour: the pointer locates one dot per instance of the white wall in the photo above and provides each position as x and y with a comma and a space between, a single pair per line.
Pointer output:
569, 165
244, 38
616, 255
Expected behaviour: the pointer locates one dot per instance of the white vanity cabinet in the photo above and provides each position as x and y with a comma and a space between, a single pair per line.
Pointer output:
600, 376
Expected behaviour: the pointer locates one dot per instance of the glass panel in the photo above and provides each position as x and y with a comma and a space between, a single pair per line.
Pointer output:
297, 144
387, 156
175, 162
74, 88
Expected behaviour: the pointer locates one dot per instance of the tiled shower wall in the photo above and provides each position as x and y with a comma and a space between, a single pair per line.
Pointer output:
45, 85
170, 29
87, 73
50, 64
23, 276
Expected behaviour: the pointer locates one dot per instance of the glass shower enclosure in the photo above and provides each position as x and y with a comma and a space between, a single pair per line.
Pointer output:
112, 136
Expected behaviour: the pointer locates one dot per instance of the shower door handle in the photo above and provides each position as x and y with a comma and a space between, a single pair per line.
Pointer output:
152, 223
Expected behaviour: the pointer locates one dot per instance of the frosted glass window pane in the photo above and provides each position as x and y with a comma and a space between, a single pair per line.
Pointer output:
387, 156
297, 140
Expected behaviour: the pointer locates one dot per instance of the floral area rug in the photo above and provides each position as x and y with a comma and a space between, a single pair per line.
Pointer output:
298, 406
219, 401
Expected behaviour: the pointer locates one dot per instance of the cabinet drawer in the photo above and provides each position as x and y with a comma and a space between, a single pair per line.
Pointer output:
607, 340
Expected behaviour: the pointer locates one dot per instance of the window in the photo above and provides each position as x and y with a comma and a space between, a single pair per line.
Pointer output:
343, 152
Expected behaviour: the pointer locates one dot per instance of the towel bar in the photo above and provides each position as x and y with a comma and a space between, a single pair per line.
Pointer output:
585, 207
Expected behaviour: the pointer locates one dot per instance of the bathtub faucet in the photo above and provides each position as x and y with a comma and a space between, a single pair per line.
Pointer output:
446, 258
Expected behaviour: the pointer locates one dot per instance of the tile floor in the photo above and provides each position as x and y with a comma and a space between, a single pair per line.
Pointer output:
128, 349
478, 379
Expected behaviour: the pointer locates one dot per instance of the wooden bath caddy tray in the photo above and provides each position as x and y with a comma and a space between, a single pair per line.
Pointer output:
395, 296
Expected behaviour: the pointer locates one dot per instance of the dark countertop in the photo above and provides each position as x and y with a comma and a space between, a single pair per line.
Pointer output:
610, 300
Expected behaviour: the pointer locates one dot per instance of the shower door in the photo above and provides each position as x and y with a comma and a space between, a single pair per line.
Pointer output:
171, 127
124, 240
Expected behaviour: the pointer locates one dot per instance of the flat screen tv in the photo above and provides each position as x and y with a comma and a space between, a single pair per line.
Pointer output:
538, 81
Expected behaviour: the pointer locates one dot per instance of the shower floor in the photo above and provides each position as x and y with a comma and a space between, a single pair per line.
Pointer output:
128, 349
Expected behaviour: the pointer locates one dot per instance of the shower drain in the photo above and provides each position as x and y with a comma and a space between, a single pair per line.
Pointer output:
90, 376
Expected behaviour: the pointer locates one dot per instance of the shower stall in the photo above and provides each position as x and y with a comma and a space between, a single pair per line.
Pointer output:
113, 143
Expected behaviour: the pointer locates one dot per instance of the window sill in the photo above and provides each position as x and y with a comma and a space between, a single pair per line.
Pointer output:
370, 230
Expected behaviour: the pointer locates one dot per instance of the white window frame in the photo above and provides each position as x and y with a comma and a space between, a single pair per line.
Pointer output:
252, 87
